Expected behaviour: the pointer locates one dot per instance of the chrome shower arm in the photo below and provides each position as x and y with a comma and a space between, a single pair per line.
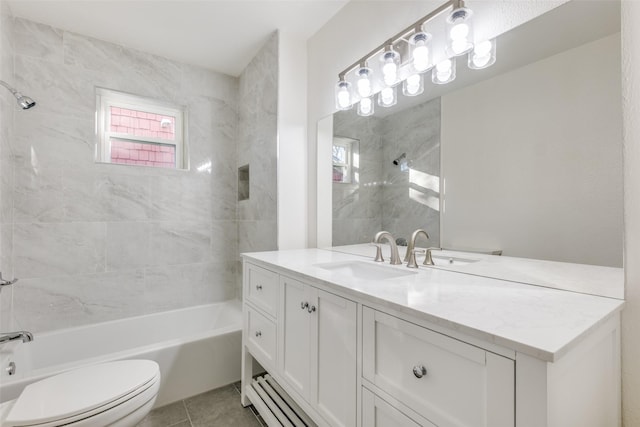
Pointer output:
24, 101
5, 84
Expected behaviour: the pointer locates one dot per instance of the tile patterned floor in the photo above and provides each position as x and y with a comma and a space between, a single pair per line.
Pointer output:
215, 408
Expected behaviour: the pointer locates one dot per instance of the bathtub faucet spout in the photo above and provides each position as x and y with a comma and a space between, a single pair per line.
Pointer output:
6, 337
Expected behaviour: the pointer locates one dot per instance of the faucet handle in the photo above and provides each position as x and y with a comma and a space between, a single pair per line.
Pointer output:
378, 257
4, 282
428, 260
412, 258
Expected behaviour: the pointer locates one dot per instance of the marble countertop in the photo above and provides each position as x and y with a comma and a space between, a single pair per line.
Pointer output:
542, 322
587, 279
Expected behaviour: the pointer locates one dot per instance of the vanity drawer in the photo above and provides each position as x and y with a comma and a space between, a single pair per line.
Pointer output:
260, 336
448, 382
376, 412
262, 289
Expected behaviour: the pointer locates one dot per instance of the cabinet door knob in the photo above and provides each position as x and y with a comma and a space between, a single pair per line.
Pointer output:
259, 287
259, 334
311, 309
419, 371
304, 305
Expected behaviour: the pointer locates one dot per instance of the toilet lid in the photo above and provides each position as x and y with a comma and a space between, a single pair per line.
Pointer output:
81, 390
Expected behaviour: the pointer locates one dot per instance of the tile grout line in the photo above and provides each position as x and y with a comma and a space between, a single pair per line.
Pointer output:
251, 407
184, 404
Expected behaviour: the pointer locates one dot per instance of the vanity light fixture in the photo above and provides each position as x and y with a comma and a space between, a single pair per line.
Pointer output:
407, 56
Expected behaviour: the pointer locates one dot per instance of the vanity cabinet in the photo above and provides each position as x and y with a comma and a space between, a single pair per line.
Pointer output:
358, 355
306, 338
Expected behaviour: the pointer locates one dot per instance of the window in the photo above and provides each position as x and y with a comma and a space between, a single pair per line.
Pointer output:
345, 155
135, 130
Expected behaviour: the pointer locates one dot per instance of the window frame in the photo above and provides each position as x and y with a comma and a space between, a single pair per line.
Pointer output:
347, 144
107, 98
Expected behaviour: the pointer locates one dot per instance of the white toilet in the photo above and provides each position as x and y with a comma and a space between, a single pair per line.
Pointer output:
114, 394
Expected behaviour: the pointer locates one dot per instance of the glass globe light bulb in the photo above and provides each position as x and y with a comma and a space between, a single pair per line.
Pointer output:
387, 97
483, 55
364, 82
343, 95
444, 72
344, 99
413, 85
460, 31
390, 62
390, 72
365, 107
420, 52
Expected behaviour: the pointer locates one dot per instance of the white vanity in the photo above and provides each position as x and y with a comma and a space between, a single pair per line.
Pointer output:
358, 343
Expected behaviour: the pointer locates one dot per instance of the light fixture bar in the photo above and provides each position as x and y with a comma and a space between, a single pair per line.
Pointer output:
415, 27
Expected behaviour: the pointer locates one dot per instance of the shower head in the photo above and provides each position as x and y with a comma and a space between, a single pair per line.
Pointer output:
399, 159
23, 101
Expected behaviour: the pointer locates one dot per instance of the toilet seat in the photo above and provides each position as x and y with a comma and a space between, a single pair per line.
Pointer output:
107, 391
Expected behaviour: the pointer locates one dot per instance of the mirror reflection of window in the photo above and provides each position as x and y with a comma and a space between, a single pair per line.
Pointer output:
344, 153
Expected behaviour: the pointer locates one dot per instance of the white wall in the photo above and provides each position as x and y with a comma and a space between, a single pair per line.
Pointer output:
532, 159
292, 148
358, 28
328, 54
631, 137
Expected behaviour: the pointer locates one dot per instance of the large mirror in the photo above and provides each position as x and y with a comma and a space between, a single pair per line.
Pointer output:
524, 157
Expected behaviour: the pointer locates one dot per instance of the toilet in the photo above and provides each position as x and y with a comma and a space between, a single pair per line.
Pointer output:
113, 394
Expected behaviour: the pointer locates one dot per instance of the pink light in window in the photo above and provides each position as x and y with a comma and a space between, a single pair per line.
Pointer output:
125, 152
142, 124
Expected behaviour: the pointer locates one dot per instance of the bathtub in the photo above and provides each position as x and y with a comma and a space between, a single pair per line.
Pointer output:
197, 348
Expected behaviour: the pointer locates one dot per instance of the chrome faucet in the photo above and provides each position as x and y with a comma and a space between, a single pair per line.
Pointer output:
395, 257
412, 244
6, 337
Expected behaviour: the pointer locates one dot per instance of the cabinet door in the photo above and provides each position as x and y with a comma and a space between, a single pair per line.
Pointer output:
295, 323
333, 358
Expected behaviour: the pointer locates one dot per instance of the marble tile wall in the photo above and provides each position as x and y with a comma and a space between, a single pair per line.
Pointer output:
257, 147
94, 242
357, 207
7, 107
411, 198
388, 198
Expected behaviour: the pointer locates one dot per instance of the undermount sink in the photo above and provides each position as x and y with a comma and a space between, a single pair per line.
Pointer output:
365, 270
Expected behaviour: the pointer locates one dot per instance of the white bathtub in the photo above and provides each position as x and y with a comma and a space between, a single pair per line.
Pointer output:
197, 348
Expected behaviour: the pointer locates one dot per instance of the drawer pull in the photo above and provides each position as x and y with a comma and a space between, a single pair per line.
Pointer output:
419, 371
311, 309
259, 334
304, 305
259, 287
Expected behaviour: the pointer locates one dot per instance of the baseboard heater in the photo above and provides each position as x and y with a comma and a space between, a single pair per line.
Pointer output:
274, 404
